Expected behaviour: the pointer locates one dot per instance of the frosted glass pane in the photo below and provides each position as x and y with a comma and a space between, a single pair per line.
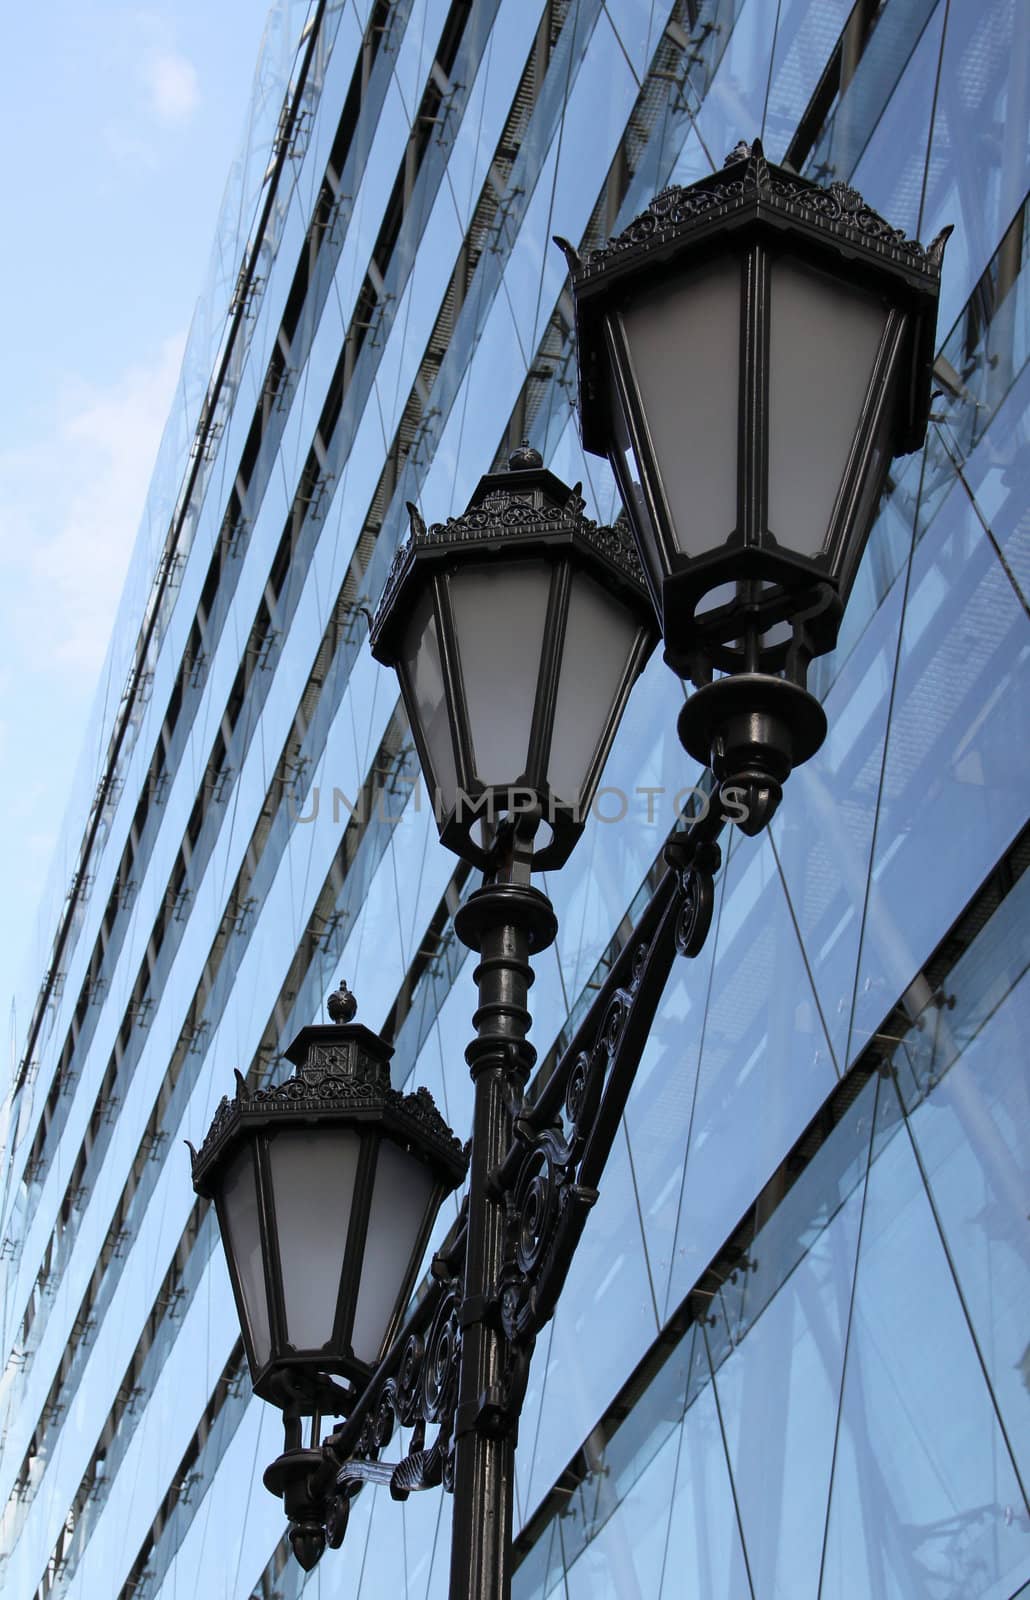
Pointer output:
401, 1193
313, 1187
499, 616
243, 1243
684, 342
425, 675
599, 635
823, 339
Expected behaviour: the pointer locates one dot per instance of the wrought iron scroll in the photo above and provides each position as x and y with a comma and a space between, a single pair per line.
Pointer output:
563, 1139
414, 1387
548, 1182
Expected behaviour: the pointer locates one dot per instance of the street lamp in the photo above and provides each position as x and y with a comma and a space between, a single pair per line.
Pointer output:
754, 350
326, 1188
517, 630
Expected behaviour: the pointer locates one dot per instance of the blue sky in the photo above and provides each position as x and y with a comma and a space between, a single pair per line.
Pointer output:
122, 122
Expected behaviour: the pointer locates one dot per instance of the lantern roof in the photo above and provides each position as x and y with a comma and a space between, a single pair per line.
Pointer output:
751, 194
521, 511
343, 1075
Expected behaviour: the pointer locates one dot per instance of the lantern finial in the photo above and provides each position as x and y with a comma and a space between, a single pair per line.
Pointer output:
524, 457
742, 151
341, 1005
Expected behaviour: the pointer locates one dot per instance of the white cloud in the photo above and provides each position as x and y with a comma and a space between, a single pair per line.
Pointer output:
70, 506
171, 81
72, 492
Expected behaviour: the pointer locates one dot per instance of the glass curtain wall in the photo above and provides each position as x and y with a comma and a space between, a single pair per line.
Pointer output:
842, 1411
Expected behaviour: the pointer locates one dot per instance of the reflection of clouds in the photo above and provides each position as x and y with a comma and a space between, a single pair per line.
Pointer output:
171, 82
70, 504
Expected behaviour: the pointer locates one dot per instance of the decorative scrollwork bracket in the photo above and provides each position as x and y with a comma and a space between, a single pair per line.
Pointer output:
544, 1185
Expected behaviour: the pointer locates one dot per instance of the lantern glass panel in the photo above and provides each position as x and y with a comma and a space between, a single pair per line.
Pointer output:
823, 340
628, 474
877, 467
423, 673
600, 633
684, 344
401, 1195
313, 1172
241, 1229
499, 617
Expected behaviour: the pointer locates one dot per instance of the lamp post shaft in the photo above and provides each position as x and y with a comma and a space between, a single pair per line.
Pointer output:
503, 922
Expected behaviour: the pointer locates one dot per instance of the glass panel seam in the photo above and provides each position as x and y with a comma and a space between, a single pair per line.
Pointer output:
640, 1222
883, 763
840, 99
873, 1122
726, 1455
933, 115
959, 1292
955, 458
540, 1411
714, 936
672, 1501
804, 953
772, 63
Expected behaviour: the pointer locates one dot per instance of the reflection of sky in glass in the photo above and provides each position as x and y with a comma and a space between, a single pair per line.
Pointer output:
925, 1499
912, 1488
952, 767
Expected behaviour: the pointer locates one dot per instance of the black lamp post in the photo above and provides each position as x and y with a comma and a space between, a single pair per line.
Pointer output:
754, 350
518, 630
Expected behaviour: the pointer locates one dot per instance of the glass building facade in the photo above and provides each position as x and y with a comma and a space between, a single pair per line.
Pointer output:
793, 1355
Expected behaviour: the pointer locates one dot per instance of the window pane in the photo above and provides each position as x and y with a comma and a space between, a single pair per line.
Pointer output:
627, 1555
953, 770
971, 1139
980, 104
778, 1395
823, 831
766, 1064
925, 1502
705, 1555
